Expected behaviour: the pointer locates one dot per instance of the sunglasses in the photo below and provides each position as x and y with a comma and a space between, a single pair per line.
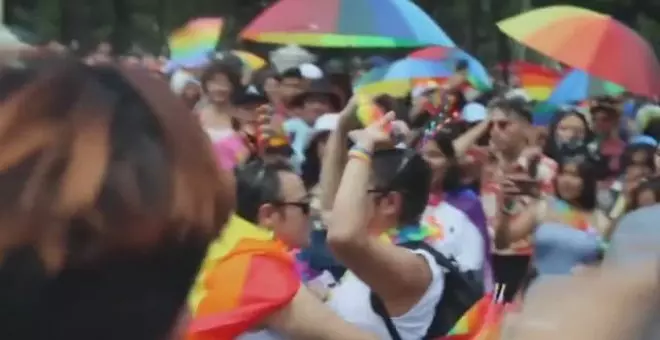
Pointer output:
305, 206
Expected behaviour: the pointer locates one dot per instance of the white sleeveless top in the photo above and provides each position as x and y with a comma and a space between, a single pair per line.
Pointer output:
351, 301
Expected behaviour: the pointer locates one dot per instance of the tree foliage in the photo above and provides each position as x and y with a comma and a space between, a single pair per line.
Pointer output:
145, 24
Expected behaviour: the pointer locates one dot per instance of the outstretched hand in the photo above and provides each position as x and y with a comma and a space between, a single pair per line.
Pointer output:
378, 133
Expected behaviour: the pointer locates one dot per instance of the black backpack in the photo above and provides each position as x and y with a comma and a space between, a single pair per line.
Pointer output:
461, 292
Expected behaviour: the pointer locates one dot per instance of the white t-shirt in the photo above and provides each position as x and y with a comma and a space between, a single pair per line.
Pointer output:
460, 238
351, 301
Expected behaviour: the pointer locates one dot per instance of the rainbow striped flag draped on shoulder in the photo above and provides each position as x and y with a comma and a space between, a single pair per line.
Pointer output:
246, 276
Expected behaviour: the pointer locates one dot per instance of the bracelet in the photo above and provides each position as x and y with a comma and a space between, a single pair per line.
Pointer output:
359, 154
361, 149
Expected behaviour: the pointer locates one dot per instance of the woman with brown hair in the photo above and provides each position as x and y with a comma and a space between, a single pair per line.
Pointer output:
109, 196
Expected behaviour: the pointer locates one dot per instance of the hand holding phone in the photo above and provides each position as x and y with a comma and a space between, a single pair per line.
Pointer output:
520, 184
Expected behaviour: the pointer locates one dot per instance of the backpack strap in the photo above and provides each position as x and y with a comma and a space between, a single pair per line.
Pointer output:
377, 303
450, 264
379, 308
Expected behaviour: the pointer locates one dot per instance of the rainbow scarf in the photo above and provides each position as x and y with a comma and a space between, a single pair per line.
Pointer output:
245, 277
427, 231
571, 216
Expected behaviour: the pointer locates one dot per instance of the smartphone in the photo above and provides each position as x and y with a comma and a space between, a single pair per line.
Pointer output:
526, 186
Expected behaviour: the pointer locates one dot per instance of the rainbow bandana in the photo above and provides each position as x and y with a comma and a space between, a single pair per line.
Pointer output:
245, 277
426, 232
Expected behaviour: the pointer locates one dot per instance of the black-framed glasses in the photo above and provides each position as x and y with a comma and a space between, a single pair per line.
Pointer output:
304, 206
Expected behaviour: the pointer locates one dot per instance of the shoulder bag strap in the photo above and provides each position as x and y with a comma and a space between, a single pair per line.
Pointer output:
379, 308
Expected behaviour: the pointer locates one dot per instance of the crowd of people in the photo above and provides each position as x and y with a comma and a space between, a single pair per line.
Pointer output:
306, 221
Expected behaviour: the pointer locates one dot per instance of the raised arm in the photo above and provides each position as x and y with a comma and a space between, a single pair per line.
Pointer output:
470, 137
399, 276
334, 157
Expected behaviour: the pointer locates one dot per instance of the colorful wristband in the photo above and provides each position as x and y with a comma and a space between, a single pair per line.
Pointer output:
361, 149
359, 154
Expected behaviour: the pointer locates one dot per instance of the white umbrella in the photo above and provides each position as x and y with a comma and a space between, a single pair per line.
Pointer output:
290, 56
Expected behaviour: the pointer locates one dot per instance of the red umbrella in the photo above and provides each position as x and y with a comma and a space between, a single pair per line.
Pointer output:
589, 41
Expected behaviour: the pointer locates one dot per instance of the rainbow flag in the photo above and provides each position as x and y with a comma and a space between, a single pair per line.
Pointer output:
192, 44
246, 276
368, 112
472, 321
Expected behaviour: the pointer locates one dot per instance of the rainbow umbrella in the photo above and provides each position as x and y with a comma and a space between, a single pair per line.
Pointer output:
193, 43
346, 23
537, 81
398, 78
477, 74
589, 41
576, 87
245, 277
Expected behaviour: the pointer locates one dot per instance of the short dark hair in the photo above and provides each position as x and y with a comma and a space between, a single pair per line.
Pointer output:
628, 155
154, 169
232, 74
443, 139
652, 184
513, 106
462, 65
403, 171
257, 183
293, 72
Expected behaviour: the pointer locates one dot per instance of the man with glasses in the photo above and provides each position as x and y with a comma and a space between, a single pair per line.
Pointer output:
272, 210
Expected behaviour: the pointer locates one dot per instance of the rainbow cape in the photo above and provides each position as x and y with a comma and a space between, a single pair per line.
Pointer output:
245, 277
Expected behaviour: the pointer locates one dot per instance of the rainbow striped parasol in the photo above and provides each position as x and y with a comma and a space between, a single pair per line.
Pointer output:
195, 42
477, 74
537, 81
346, 23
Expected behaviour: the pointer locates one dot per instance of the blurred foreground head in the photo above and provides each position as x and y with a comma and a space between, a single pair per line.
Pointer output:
109, 196
613, 302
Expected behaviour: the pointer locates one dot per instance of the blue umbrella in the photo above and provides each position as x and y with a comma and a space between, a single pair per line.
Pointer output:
397, 78
576, 87
477, 74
